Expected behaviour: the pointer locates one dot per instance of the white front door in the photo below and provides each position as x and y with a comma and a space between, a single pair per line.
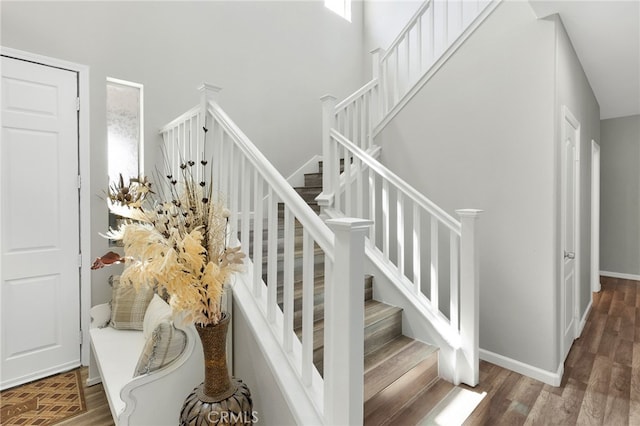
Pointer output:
569, 193
39, 222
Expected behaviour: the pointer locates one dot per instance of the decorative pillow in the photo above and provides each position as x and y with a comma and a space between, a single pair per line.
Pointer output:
157, 311
128, 305
165, 345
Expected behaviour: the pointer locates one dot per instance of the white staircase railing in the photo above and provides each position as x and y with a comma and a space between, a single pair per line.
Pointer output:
433, 255
411, 233
253, 190
436, 29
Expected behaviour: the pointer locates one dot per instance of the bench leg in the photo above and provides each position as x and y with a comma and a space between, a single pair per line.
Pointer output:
94, 373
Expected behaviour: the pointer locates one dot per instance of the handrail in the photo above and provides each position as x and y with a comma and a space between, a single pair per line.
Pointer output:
317, 228
258, 195
403, 33
357, 94
183, 117
403, 186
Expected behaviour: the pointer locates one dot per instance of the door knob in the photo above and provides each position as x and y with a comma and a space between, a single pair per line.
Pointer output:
569, 255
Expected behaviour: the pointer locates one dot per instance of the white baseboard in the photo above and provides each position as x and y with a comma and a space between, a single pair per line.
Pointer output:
93, 380
620, 275
545, 376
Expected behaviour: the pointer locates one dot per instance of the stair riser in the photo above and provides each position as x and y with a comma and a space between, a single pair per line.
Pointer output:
378, 334
313, 179
309, 194
375, 335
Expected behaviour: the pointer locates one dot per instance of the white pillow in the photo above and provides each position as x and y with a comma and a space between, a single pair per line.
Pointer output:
157, 312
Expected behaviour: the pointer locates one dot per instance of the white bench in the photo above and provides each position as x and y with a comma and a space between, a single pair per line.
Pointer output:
152, 399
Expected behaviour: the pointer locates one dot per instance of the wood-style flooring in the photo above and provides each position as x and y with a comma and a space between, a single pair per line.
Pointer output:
601, 383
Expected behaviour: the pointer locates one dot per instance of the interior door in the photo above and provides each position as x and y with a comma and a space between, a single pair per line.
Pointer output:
569, 191
39, 222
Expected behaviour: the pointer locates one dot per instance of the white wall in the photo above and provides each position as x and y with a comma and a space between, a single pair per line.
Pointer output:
620, 195
574, 92
383, 21
252, 368
480, 134
273, 60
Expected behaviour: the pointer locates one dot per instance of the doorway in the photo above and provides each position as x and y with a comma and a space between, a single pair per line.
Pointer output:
43, 217
595, 217
570, 227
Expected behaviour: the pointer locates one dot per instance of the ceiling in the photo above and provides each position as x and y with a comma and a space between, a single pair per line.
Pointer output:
606, 37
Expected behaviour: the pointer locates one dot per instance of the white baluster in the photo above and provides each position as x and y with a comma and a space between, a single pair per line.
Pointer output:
377, 72
431, 47
335, 171
208, 93
372, 205
400, 230
348, 199
362, 120
416, 249
245, 207
344, 325
326, 199
469, 295
408, 63
308, 259
234, 194
257, 235
454, 253
272, 258
385, 218
357, 122
288, 267
434, 264
359, 166
418, 50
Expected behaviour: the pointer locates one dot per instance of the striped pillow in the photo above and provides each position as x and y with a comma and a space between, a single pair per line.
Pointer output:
128, 305
164, 346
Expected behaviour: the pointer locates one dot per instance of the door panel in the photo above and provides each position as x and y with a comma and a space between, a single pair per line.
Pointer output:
39, 216
570, 138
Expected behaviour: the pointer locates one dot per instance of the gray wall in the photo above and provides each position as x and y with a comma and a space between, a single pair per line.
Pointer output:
576, 94
481, 134
620, 195
273, 60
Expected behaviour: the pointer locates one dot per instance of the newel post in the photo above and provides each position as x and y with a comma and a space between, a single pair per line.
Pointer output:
469, 296
344, 325
376, 55
376, 73
208, 93
329, 155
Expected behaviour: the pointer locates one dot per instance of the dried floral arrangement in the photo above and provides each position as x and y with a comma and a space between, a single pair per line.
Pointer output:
176, 239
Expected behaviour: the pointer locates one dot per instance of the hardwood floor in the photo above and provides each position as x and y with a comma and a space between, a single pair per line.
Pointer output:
601, 384
98, 412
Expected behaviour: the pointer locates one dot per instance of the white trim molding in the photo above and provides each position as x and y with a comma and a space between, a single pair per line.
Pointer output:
595, 216
620, 275
545, 376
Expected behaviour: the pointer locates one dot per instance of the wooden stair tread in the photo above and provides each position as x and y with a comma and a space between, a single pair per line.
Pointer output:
395, 366
383, 405
374, 312
371, 360
419, 407
401, 384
